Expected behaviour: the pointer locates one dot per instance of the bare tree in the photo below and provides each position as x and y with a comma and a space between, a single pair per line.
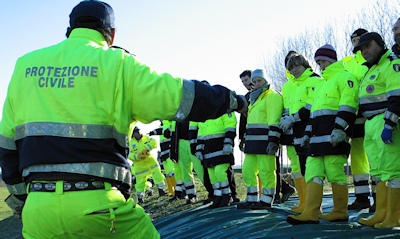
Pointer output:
377, 15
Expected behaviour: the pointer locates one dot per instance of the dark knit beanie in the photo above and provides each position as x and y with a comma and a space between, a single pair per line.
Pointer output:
326, 52
358, 33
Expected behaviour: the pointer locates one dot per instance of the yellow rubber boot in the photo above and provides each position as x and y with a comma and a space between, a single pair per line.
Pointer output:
301, 187
393, 210
312, 206
381, 207
340, 200
171, 185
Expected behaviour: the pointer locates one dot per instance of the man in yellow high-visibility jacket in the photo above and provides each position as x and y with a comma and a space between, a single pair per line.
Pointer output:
65, 125
144, 163
379, 99
359, 161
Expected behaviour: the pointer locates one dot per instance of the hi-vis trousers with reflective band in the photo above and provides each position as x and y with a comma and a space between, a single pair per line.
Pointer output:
384, 159
141, 178
331, 166
294, 162
84, 214
262, 164
188, 161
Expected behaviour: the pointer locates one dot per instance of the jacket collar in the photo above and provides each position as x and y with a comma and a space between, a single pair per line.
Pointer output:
332, 70
306, 74
93, 35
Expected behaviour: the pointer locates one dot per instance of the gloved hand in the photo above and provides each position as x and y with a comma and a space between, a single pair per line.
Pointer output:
304, 141
151, 133
286, 122
227, 150
199, 155
387, 134
143, 154
272, 148
15, 204
167, 133
337, 136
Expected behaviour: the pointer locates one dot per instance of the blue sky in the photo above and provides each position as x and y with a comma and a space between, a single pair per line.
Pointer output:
205, 40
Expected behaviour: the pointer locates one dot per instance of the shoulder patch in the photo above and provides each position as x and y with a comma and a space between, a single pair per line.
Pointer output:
370, 89
396, 67
351, 83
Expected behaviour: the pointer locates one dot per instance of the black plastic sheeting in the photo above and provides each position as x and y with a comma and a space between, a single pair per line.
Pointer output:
229, 222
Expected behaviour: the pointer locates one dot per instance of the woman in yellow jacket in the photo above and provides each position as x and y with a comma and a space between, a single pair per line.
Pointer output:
262, 138
301, 93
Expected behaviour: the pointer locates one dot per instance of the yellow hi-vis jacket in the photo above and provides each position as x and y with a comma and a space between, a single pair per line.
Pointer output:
355, 66
302, 95
136, 147
69, 107
165, 142
334, 106
263, 122
216, 133
380, 89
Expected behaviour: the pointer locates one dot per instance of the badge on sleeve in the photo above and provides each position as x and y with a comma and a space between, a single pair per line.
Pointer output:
396, 67
372, 77
351, 83
370, 88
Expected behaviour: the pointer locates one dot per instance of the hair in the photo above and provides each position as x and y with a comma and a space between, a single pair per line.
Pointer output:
245, 73
290, 53
297, 59
205, 82
92, 23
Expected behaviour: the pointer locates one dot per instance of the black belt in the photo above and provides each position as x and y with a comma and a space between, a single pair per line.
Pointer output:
67, 186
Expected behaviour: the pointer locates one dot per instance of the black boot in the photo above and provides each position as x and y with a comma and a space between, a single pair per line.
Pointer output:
178, 195
149, 192
226, 200
161, 192
245, 205
216, 202
235, 198
287, 191
208, 200
261, 205
192, 199
361, 202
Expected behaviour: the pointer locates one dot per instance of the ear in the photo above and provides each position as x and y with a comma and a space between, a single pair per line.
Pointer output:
112, 37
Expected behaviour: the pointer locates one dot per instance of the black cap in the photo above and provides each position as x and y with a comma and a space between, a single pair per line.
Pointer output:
367, 38
136, 129
96, 9
357, 33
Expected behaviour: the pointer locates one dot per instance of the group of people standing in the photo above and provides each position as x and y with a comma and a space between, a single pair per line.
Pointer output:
351, 109
63, 150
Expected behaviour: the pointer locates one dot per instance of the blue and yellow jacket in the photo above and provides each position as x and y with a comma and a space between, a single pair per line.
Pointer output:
263, 122
214, 134
334, 106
